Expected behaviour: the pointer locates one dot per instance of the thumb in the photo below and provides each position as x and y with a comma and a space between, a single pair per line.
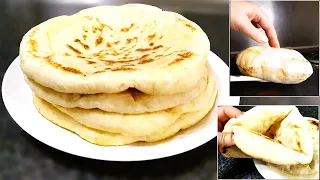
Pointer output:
251, 31
225, 140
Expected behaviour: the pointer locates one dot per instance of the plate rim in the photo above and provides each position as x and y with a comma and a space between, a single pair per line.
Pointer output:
163, 155
257, 163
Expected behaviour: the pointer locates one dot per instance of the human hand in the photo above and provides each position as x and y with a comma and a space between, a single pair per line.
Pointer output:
225, 113
246, 17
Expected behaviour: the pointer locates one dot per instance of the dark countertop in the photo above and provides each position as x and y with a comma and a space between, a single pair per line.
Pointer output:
310, 87
236, 168
23, 157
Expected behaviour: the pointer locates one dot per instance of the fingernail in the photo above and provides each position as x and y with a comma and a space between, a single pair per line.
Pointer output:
264, 39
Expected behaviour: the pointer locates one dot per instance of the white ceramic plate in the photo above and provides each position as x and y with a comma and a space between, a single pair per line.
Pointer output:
265, 171
17, 98
244, 78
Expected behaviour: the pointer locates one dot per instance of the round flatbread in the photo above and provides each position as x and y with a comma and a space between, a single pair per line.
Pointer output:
108, 49
128, 102
278, 65
111, 139
140, 124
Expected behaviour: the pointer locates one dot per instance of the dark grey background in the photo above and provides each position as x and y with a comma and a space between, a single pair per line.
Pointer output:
236, 168
22, 157
296, 23
297, 27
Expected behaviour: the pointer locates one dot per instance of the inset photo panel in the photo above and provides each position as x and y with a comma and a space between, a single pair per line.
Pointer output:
268, 142
274, 48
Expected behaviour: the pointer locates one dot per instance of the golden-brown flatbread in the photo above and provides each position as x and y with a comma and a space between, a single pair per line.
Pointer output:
277, 65
275, 134
108, 49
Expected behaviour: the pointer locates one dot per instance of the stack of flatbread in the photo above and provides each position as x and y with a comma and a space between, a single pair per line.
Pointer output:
116, 75
280, 136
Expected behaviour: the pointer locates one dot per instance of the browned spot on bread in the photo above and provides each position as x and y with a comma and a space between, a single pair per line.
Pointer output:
182, 56
91, 62
190, 26
101, 25
88, 17
104, 25
246, 71
84, 37
272, 131
115, 53
151, 44
100, 28
298, 142
284, 72
143, 49
109, 45
59, 66
34, 32
108, 62
128, 65
98, 72
272, 135
116, 43
148, 49
144, 61
126, 29
161, 37
67, 54
144, 56
122, 68
294, 126
82, 57
150, 37
186, 24
82, 44
99, 40
33, 44
98, 53
85, 28
128, 49
315, 123
74, 49
175, 61
186, 54
129, 41
73, 70
98, 20
299, 146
